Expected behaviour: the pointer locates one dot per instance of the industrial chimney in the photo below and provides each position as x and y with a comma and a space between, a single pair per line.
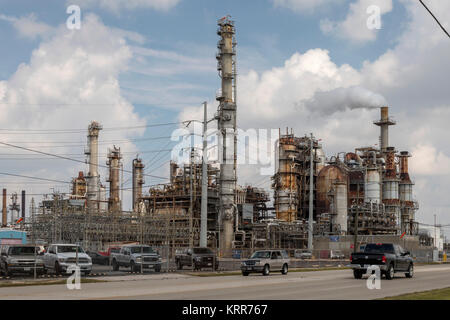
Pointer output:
93, 181
384, 124
227, 128
138, 182
114, 157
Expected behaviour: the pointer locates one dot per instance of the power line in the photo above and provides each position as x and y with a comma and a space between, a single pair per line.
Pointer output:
72, 159
79, 143
442, 27
59, 181
59, 131
33, 178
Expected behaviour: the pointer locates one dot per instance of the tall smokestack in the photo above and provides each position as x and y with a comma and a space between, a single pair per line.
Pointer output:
93, 181
138, 182
227, 129
23, 206
4, 212
384, 124
113, 163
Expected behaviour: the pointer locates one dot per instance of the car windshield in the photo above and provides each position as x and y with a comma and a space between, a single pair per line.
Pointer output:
202, 250
261, 254
19, 251
142, 250
115, 250
70, 249
379, 248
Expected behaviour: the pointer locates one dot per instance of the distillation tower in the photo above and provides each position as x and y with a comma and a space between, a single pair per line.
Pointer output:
93, 178
227, 130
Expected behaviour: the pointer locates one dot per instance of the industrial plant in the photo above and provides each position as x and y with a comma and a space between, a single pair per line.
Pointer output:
364, 192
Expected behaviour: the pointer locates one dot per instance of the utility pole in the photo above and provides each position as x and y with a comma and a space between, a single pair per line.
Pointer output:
204, 209
191, 204
311, 195
435, 231
355, 238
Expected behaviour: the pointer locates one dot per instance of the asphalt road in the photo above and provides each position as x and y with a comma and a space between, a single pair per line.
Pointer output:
338, 284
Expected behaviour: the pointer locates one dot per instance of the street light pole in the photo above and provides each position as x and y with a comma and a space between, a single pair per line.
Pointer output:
204, 207
311, 190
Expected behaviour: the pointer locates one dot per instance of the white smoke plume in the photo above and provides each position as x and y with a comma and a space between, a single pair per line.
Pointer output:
341, 99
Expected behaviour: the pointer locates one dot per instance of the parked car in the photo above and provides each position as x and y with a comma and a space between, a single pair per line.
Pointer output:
197, 258
60, 256
108, 253
265, 261
20, 258
135, 256
336, 254
390, 258
98, 258
302, 254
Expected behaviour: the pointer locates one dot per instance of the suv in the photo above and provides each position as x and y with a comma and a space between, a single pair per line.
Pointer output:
60, 256
302, 254
21, 258
135, 257
265, 261
336, 254
197, 258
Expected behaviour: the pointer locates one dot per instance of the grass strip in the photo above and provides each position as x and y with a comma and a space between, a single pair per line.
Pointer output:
45, 282
437, 294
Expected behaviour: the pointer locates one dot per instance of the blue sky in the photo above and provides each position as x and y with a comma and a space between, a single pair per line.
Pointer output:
158, 59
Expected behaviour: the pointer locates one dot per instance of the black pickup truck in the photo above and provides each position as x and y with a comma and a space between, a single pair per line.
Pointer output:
197, 258
390, 258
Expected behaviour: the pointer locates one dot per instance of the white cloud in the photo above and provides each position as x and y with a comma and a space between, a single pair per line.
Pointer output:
412, 76
429, 161
70, 80
28, 26
304, 6
117, 5
355, 26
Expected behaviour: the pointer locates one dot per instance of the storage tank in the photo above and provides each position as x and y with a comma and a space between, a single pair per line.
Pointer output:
372, 186
325, 182
341, 205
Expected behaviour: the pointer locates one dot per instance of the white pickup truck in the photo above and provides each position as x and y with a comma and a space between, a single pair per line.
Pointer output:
135, 257
60, 256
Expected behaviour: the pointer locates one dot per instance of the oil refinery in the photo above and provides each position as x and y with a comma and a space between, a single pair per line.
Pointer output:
365, 192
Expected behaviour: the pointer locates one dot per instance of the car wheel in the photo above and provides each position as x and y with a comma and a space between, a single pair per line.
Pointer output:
245, 274
115, 265
410, 272
390, 272
132, 266
266, 270
6, 272
179, 265
284, 270
158, 269
357, 274
57, 269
